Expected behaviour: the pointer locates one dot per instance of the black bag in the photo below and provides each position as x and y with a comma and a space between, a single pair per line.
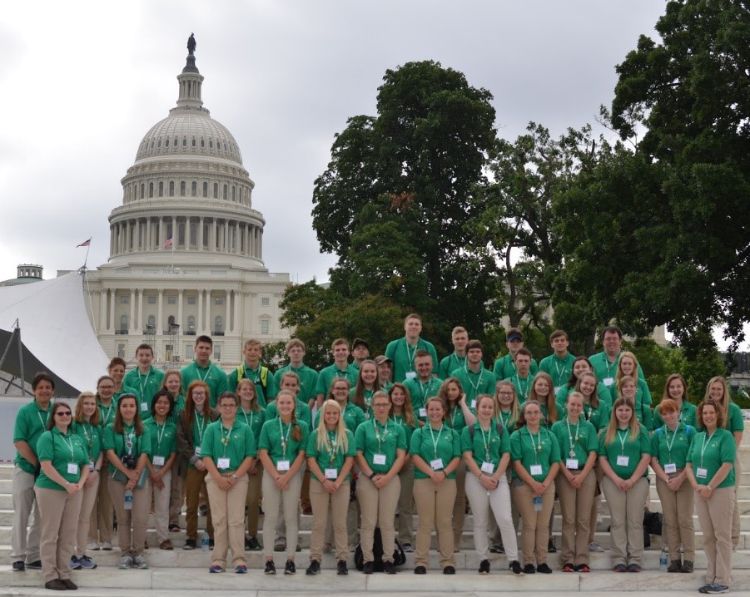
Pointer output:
652, 523
399, 557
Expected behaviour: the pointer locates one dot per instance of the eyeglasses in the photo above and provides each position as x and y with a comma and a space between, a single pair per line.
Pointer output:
65, 413
381, 405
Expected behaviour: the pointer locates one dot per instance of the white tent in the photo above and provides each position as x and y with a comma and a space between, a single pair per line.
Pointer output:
56, 332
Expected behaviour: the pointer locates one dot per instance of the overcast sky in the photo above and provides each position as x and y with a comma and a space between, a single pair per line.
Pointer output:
82, 82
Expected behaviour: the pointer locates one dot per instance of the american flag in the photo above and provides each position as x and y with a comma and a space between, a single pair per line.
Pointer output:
168, 243
85, 243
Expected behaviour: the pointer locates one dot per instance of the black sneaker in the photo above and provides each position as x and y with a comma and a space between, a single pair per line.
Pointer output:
252, 544
36, 565
389, 568
515, 566
341, 568
497, 548
484, 567
210, 544
529, 569
313, 568
687, 566
19, 566
189, 544
270, 567
368, 568
69, 584
544, 569
420, 570
290, 568
449, 570
551, 547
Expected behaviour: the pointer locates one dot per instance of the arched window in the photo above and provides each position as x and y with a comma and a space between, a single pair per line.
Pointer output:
161, 189
225, 191
183, 186
216, 190
151, 189
143, 190
194, 189
171, 188
234, 193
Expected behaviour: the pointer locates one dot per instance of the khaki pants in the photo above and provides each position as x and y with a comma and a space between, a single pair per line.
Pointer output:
131, 524
176, 496
253, 500
406, 504
378, 509
498, 502
459, 506
736, 511
626, 520
59, 518
435, 503
339, 505
25, 542
677, 508
273, 500
161, 499
88, 503
102, 517
715, 516
228, 511
535, 526
195, 482
575, 507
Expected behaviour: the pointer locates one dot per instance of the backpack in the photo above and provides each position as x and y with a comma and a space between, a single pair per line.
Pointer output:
399, 557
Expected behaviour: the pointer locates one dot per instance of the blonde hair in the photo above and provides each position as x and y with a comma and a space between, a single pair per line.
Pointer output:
322, 435
515, 412
724, 404
625, 354
550, 403
254, 405
94, 419
635, 426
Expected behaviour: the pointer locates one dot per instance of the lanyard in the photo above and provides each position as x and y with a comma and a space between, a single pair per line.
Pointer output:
203, 377
128, 440
523, 391
410, 354
570, 435
425, 388
43, 420
456, 409
479, 379
225, 439
284, 438
107, 413
460, 361
505, 418
670, 444
487, 441
560, 371
143, 383
622, 439
611, 365
536, 447
252, 415
379, 437
332, 445
200, 422
89, 439
160, 434
69, 443
706, 440
435, 442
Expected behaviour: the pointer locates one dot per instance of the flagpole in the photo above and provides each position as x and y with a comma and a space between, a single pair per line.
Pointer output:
86, 259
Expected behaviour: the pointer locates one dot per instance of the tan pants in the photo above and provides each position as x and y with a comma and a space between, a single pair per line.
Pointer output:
25, 541
228, 511
575, 507
195, 481
131, 524
102, 517
406, 504
88, 503
459, 506
161, 499
535, 526
626, 520
498, 502
677, 508
715, 516
253, 500
176, 496
435, 503
377, 509
736, 511
273, 500
59, 518
339, 504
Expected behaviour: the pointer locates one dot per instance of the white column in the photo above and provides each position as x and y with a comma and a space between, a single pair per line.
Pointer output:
199, 323
161, 233
102, 310
112, 299
228, 312
260, 243
200, 234
238, 299
175, 236
187, 232
225, 244
132, 310
139, 315
179, 308
213, 234
159, 328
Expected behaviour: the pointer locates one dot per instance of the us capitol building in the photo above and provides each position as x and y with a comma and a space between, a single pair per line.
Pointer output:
186, 245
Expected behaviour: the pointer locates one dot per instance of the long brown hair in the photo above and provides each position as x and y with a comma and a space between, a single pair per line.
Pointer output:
118, 424
94, 420
449, 406
407, 408
634, 425
515, 414
594, 399
188, 415
254, 404
51, 417
296, 430
359, 389
550, 403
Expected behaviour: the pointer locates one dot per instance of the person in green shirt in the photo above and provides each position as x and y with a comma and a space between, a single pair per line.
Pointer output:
595, 410
102, 522
128, 448
86, 426
173, 384
385, 371
202, 369
670, 445
381, 452
353, 415
628, 387
64, 461
105, 401
116, 370
457, 359
582, 365
289, 381
360, 352
710, 470
330, 456
340, 368
536, 461
436, 452
605, 363
576, 483
507, 407
367, 384
522, 378
486, 454
252, 368
542, 392
308, 377
505, 366
31, 422
228, 451
627, 367
424, 386
163, 434
558, 365
281, 450
402, 351
675, 388
145, 380
474, 378
624, 456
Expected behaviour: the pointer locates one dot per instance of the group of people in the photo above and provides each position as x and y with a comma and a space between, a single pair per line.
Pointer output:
365, 444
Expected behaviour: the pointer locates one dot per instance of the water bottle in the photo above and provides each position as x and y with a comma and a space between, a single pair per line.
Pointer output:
537, 503
128, 499
663, 560
204, 541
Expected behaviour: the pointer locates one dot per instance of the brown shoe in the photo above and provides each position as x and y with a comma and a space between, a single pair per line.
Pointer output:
166, 544
55, 585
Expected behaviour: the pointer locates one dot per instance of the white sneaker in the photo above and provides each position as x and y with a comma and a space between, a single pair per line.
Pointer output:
93, 546
140, 562
106, 546
595, 547
126, 562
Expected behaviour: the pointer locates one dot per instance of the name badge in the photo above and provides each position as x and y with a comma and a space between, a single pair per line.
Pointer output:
473, 405
436, 464
378, 459
197, 450
332, 474
223, 463
670, 468
282, 465
144, 407
623, 460
488, 467
423, 413
536, 469
158, 460
72, 468
701, 473
608, 381
411, 375
571, 463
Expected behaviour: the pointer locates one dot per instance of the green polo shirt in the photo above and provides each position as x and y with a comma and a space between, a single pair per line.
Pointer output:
430, 444
643, 410
328, 374
546, 416
91, 436
199, 426
236, 444
604, 395
212, 375
353, 417
144, 386
735, 423
503, 417
179, 406
253, 419
606, 370
486, 445
475, 383
408, 429
455, 420
421, 391
581, 437
671, 447
61, 450
273, 432
559, 369
106, 413
163, 438
688, 415
301, 411
450, 363
522, 386
308, 379
331, 456
402, 354
534, 449
139, 444
711, 453
505, 367
373, 438
31, 422
366, 398
624, 445
263, 378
